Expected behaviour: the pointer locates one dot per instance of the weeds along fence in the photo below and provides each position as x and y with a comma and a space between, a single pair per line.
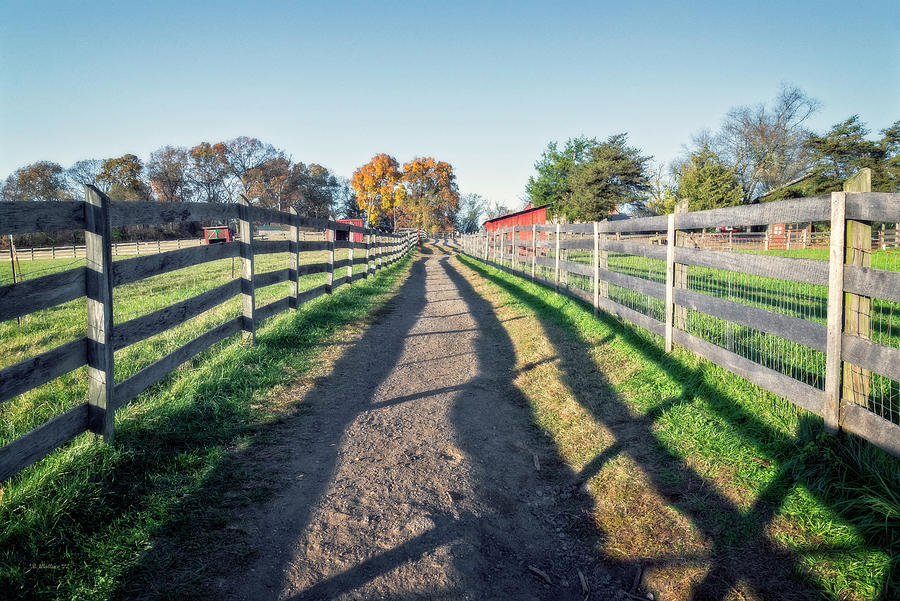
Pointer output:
99, 278
820, 327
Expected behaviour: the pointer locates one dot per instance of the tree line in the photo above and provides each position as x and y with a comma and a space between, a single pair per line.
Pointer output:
760, 153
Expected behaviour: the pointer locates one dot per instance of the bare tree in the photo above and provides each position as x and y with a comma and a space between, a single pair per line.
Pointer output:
168, 173
84, 173
764, 145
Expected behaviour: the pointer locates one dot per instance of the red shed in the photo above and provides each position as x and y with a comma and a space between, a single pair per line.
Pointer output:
526, 217
357, 237
216, 234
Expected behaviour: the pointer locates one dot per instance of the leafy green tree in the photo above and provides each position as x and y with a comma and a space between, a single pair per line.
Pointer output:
845, 149
552, 184
707, 182
43, 180
124, 178
613, 174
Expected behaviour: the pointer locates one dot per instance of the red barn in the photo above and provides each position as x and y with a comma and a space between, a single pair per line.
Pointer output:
341, 235
524, 219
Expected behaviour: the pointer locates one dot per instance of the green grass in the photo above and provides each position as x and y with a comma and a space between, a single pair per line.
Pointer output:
44, 330
796, 299
834, 502
73, 525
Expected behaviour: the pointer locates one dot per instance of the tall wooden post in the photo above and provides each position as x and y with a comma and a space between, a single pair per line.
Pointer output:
857, 309
595, 261
556, 270
99, 290
514, 248
294, 267
835, 317
368, 238
670, 282
680, 272
248, 290
533, 250
350, 244
329, 276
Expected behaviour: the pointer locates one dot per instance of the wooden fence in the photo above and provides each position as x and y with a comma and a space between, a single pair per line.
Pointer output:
822, 333
128, 248
97, 280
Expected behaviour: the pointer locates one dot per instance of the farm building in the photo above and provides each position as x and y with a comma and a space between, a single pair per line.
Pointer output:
525, 218
341, 235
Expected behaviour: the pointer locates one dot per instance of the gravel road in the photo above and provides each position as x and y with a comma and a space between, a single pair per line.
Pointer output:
414, 471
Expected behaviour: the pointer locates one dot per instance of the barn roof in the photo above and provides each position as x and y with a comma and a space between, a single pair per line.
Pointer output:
517, 213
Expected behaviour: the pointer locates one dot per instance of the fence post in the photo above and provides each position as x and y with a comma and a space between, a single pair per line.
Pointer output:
533, 249
368, 243
857, 309
98, 289
835, 317
680, 272
670, 281
329, 277
556, 276
248, 292
294, 267
596, 261
350, 245
514, 249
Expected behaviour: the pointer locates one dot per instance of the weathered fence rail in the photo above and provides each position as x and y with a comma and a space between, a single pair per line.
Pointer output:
823, 333
97, 280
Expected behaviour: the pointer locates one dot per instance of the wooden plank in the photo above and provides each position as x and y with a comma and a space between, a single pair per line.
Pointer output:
578, 228
98, 288
145, 326
835, 315
657, 223
268, 247
312, 293
577, 268
871, 356
264, 215
872, 427
127, 390
798, 330
272, 277
803, 395
144, 266
582, 295
786, 211
877, 283
52, 434
809, 271
310, 268
41, 293
151, 212
32, 372
248, 291
275, 307
556, 258
27, 217
636, 284
640, 249
316, 223
580, 244
329, 275
337, 282
313, 245
645, 321
873, 206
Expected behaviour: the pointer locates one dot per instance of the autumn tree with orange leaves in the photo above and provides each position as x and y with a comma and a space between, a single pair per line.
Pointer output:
379, 188
432, 195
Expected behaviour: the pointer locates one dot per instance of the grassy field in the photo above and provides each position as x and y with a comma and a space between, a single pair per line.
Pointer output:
75, 524
44, 330
796, 299
699, 477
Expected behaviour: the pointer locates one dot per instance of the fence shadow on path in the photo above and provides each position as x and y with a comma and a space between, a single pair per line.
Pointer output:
187, 557
740, 549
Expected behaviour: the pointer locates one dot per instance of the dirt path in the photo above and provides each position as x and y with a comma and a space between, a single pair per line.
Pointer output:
415, 472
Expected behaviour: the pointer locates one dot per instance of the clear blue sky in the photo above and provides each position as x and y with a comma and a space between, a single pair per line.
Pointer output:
483, 85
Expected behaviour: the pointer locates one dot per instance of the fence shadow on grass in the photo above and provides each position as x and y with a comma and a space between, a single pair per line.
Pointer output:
740, 550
